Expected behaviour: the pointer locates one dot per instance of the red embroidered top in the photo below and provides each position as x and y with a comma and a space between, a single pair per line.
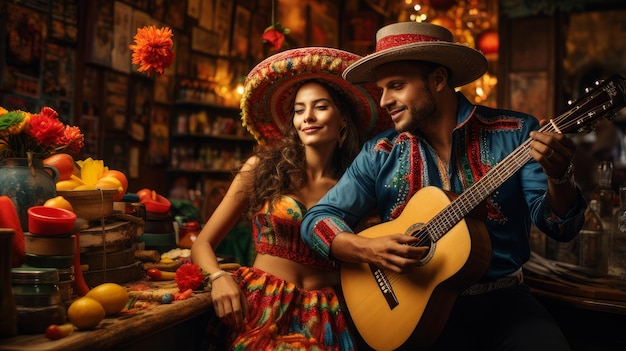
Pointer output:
276, 232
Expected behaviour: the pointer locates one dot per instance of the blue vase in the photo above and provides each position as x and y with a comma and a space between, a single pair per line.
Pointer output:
27, 185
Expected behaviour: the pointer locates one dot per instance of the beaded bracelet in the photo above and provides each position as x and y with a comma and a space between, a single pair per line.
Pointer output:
218, 274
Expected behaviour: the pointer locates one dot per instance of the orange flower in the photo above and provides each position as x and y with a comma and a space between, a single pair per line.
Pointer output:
152, 50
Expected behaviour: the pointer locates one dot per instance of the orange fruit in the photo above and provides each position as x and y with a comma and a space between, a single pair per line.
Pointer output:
111, 296
64, 163
121, 177
59, 202
85, 313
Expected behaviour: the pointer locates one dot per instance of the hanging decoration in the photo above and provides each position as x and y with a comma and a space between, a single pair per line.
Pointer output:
274, 35
152, 50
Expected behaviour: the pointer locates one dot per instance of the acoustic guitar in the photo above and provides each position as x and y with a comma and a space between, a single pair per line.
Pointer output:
394, 311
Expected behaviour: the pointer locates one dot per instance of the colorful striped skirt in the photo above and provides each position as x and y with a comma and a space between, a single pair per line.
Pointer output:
284, 317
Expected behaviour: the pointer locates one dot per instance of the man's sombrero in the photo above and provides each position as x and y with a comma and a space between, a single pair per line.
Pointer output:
424, 42
269, 90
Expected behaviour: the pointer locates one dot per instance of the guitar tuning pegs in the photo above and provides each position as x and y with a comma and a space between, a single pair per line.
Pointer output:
610, 115
588, 89
598, 82
588, 128
570, 102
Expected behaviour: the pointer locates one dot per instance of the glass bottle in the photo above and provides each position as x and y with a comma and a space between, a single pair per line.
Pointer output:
592, 238
603, 193
617, 244
605, 196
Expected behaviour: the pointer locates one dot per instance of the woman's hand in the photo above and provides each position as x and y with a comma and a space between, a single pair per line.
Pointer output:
229, 302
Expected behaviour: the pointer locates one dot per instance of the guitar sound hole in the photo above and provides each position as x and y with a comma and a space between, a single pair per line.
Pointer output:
420, 231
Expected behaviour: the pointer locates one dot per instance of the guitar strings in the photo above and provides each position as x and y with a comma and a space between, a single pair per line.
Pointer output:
441, 223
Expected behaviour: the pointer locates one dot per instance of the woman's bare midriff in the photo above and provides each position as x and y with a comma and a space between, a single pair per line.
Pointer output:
303, 276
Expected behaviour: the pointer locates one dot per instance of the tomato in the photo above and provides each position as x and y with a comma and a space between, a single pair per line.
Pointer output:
121, 177
157, 274
55, 332
64, 163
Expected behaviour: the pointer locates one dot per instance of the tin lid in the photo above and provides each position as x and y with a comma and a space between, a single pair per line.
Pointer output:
34, 275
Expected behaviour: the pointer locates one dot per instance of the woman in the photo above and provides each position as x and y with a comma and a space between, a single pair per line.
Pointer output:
304, 116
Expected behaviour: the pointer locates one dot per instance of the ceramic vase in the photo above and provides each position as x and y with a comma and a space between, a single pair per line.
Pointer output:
27, 184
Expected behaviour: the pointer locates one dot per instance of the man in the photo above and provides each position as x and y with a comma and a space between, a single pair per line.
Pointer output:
442, 140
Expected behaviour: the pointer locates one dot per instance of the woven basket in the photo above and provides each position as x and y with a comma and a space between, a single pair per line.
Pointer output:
91, 205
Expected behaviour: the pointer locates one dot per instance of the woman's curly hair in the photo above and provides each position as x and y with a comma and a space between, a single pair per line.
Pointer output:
281, 169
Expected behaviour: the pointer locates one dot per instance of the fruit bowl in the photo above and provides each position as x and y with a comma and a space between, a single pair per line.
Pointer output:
91, 205
50, 220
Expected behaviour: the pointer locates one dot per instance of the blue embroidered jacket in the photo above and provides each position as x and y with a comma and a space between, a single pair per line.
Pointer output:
393, 166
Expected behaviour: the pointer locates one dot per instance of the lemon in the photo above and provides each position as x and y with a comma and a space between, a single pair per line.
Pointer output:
111, 296
85, 313
59, 202
85, 187
69, 184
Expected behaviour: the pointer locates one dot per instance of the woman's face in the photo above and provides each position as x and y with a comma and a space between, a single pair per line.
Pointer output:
316, 117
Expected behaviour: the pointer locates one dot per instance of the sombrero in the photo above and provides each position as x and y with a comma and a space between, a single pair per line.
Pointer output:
269, 90
424, 42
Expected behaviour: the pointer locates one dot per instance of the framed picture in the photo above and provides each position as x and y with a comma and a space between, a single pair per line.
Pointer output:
193, 8
528, 93
64, 20
241, 33
116, 153
206, 18
25, 34
158, 145
89, 125
204, 41
223, 21
182, 47
121, 57
140, 107
101, 35
115, 100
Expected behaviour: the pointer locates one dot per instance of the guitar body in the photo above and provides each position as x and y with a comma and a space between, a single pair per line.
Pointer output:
424, 296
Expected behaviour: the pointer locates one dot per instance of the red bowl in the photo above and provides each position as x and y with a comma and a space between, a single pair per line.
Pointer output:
44, 220
161, 205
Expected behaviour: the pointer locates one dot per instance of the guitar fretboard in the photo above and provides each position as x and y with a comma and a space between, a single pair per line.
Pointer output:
608, 97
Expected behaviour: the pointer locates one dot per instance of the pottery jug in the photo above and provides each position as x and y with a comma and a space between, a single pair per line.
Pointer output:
27, 184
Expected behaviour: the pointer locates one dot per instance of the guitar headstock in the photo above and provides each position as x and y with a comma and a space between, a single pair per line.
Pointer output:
602, 101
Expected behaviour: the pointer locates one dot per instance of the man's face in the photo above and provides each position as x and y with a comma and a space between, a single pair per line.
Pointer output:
406, 94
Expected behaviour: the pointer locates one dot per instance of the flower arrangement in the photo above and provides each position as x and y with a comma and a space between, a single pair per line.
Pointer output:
27, 135
152, 50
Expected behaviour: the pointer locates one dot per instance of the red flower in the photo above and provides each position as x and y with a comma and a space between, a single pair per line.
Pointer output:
46, 127
73, 139
274, 36
190, 276
152, 50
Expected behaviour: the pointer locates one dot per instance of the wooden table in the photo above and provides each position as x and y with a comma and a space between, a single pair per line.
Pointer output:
176, 326
592, 318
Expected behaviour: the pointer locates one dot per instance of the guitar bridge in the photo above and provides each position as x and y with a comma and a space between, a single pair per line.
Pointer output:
385, 286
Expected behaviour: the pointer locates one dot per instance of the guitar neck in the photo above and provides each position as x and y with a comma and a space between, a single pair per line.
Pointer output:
607, 98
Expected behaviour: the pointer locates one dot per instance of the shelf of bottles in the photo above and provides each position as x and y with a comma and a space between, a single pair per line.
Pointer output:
207, 137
